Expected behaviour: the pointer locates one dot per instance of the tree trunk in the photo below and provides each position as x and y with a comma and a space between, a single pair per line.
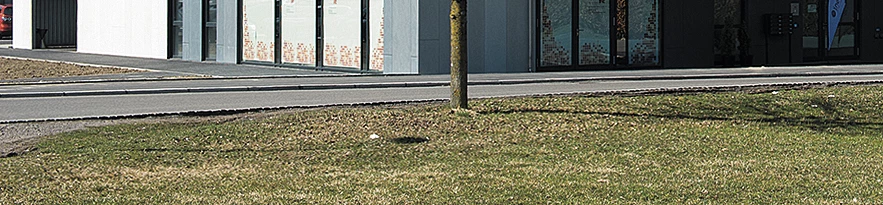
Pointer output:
459, 69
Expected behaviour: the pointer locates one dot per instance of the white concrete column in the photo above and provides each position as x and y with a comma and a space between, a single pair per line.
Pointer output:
23, 24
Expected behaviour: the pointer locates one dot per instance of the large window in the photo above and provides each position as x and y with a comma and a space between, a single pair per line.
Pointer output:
643, 32
210, 41
177, 31
730, 37
314, 33
556, 36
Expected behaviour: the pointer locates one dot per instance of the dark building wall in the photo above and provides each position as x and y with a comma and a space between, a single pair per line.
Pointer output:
60, 18
871, 19
771, 49
688, 33
435, 36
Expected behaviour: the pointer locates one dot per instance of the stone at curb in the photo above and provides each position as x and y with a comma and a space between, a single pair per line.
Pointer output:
426, 84
96, 92
379, 85
326, 87
218, 89
275, 88
157, 91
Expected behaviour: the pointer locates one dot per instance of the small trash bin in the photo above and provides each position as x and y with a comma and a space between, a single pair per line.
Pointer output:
41, 37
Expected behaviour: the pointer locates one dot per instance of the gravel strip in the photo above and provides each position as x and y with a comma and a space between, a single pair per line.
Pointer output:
17, 139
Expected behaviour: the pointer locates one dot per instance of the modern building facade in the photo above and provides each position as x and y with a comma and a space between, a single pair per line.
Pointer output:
412, 37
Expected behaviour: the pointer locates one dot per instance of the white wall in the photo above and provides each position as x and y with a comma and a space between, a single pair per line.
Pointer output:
22, 24
137, 28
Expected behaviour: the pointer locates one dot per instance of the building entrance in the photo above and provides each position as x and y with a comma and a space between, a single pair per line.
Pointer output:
830, 30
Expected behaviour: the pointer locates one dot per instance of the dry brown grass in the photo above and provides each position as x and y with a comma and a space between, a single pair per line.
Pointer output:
816, 146
13, 69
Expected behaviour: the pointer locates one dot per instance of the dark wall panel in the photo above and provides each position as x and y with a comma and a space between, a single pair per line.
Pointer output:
767, 49
871, 19
688, 33
60, 18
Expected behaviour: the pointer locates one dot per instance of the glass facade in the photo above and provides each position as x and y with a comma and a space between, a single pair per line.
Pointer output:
314, 33
635, 32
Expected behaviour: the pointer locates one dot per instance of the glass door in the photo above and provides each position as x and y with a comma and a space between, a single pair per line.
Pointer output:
210, 38
842, 36
594, 32
829, 31
177, 30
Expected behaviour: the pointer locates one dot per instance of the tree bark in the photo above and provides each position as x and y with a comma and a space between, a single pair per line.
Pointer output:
459, 61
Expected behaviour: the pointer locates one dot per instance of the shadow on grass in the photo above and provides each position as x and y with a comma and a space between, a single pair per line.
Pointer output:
209, 150
746, 111
409, 140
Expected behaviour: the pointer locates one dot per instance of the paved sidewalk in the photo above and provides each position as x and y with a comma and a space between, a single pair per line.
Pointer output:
172, 76
352, 82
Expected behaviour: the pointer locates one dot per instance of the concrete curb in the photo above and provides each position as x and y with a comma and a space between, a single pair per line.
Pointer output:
651, 91
415, 84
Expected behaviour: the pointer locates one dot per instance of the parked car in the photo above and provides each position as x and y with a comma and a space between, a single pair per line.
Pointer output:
6, 17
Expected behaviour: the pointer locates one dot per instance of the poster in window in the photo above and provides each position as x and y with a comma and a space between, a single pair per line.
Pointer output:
299, 32
258, 41
376, 36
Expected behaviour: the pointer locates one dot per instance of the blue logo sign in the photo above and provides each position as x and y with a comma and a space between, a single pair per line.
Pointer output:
835, 8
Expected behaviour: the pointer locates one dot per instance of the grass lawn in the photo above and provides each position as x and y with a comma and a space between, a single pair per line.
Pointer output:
816, 146
12, 69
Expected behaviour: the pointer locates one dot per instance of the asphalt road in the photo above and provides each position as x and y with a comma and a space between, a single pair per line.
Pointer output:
59, 108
